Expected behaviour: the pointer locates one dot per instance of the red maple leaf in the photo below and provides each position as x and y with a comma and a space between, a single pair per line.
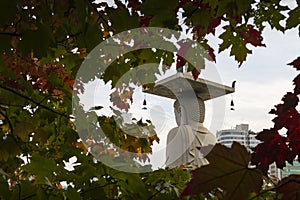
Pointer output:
297, 84
296, 63
275, 147
144, 21
133, 4
184, 46
252, 36
272, 149
290, 100
288, 119
294, 142
211, 54
180, 62
215, 22
287, 115
195, 73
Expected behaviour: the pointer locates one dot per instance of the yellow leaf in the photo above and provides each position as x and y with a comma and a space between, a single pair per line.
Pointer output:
2, 117
5, 128
105, 33
80, 145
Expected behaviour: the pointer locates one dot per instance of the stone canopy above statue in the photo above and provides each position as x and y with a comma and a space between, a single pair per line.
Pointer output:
185, 140
181, 82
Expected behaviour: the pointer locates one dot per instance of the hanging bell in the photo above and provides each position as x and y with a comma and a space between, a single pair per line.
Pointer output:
144, 104
232, 104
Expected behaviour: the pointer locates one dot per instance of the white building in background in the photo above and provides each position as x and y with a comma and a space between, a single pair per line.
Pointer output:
239, 134
242, 135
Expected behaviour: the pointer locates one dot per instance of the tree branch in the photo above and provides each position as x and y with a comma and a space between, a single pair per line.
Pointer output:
10, 33
19, 192
70, 36
99, 14
29, 196
12, 130
157, 192
33, 101
96, 187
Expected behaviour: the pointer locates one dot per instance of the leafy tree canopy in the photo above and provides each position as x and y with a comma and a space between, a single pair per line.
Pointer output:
44, 42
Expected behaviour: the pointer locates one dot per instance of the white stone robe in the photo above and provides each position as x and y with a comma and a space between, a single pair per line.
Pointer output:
183, 144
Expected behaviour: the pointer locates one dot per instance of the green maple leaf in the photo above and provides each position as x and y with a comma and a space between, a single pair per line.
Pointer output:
36, 40
229, 170
294, 18
262, 15
121, 19
237, 45
43, 168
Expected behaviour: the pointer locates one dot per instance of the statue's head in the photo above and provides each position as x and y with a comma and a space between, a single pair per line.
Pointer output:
189, 111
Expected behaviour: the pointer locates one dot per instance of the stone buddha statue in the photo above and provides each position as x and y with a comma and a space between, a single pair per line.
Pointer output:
184, 141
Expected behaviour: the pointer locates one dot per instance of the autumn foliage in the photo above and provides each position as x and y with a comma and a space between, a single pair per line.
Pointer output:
42, 46
276, 147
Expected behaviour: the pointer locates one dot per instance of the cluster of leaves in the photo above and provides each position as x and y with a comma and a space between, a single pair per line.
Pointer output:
276, 147
43, 43
136, 137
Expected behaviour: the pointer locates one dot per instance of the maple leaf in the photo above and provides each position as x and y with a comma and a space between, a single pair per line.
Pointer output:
288, 116
293, 137
212, 55
229, 170
215, 22
290, 100
184, 45
288, 119
133, 4
234, 39
297, 84
296, 63
144, 21
180, 63
195, 73
272, 149
290, 187
252, 36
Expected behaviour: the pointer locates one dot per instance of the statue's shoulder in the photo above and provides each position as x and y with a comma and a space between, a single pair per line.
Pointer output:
181, 128
175, 129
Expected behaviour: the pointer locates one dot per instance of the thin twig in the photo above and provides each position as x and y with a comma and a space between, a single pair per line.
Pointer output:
97, 187
28, 61
33, 101
10, 33
12, 131
19, 193
157, 192
99, 14
29, 196
70, 36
